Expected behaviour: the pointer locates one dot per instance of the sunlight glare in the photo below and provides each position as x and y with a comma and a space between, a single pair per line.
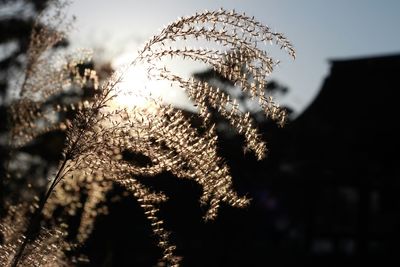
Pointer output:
136, 90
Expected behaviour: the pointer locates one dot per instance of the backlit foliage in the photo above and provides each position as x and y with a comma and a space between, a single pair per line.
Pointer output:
57, 95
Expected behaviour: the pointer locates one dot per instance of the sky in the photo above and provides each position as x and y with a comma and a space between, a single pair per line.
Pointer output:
321, 30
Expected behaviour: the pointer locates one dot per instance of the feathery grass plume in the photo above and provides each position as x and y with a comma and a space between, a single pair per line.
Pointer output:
51, 78
58, 87
243, 62
101, 131
48, 30
98, 135
53, 84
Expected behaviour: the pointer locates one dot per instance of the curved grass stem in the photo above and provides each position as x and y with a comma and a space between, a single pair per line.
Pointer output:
34, 223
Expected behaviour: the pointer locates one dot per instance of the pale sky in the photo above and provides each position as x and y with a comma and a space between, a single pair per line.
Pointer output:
319, 29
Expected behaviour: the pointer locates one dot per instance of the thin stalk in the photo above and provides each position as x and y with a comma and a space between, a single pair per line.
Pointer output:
35, 222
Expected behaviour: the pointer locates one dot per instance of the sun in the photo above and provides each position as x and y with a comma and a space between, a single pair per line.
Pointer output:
136, 90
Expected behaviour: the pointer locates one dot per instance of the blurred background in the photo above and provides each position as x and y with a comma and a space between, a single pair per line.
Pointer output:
327, 193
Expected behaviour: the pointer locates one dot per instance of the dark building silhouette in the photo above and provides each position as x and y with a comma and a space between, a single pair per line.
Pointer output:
336, 166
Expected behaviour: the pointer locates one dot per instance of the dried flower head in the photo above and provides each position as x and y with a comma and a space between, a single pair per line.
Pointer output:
100, 132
